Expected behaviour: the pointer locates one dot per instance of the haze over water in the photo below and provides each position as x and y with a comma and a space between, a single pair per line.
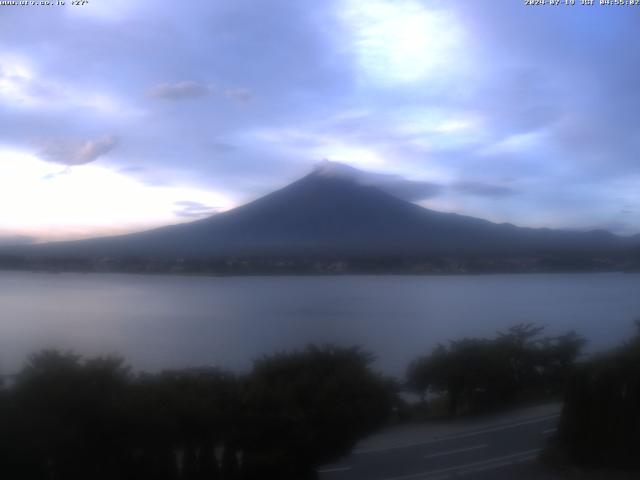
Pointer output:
171, 321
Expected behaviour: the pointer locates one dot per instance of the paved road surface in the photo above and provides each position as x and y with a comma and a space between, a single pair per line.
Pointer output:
500, 447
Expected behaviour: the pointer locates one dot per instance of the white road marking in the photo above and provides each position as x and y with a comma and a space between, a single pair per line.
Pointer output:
549, 431
459, 450
488, 464
332, 470
457, 436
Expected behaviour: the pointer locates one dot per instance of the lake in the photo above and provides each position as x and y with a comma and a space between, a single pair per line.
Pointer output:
175, 321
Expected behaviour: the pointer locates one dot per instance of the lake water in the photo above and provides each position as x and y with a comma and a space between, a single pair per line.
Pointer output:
171, 321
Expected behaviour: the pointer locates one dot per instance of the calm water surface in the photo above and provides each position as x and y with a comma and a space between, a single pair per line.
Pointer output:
171, 321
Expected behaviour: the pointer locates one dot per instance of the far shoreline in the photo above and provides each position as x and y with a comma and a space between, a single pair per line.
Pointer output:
317, 274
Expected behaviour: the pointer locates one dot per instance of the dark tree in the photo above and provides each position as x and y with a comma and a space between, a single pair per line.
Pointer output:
67, 418
478, 374
310, 407
600, 423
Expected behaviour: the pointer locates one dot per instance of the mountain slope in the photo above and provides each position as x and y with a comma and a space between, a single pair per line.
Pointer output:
328, 214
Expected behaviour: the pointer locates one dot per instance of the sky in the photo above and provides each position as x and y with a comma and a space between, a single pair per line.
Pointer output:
121, 115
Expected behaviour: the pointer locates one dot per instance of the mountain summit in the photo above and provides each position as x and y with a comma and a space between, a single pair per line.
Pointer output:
328, 169
335, 211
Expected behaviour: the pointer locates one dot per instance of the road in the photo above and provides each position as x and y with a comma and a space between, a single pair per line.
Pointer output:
499, 447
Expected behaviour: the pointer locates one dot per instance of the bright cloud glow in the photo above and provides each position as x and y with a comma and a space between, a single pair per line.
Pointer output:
417, 121
357, 156
15, 79
49, 202
311, 145
449, 126
401, 41
520, 142
22, 87
314, 145
433, 128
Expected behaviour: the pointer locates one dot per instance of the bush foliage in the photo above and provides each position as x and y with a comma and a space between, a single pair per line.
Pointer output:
67, 418
477, 374
600, 422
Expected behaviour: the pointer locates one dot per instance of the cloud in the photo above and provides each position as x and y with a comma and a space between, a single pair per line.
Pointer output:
89, 201
189, 89
193, 209
181, 90
240, 95
77, 153
402, 41
25, 88
483, 189
411, 190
